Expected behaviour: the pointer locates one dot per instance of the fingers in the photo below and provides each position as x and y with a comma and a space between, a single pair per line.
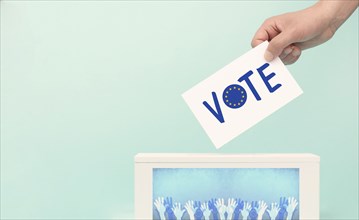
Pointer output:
278, 37
266, 32
220, 202
277, 45
247, 205
259, 37
232, 202
263, 204
293, 201
203, 206
276, 206
189, 206
286, 52
290, 54
159, 201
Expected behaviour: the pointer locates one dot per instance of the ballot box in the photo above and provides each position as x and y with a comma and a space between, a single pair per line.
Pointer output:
227, 186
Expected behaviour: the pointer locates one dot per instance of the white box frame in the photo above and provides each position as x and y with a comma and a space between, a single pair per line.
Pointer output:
308, 165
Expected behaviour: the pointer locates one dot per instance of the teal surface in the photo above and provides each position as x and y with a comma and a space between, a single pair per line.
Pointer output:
86, 85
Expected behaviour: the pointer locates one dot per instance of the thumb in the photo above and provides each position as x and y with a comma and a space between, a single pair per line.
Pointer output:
277, 45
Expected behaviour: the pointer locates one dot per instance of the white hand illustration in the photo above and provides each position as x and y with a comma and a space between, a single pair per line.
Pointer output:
205, 210
178, 211
273, 212
246, 209
221, 207
292, 204
232, 204
159, 203
190, 209
262, 207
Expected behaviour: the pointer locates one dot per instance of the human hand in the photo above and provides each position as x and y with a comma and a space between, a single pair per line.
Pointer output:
240, 203
198, 214
160, 206
273, 211
169, 215
169, 209
178, 211
260, 209
238, 209
190, 209
168, 202
221, 207
205, 210
253, 215
212, 206
246, 209
283, 203
288, 34
232, 204
292, 204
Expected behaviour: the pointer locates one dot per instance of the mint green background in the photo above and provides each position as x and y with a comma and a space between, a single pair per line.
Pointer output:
86, 85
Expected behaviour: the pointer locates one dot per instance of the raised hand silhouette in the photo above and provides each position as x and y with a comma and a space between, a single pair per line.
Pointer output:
245, 211
190, 209
231, 205
260, 209
273, 211
221, 207
178, 211
169, 211
198, 213
160, 206
292, 204
253, 215
212, 206
206, 210
283, 203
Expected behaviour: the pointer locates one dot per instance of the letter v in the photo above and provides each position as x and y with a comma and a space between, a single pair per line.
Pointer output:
217, 114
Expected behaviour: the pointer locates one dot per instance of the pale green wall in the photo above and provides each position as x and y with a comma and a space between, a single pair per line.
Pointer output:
86, 85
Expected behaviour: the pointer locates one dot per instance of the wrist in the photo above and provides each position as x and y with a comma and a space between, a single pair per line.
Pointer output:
222, 216
245, 216
289, 215
230, 215
162, 216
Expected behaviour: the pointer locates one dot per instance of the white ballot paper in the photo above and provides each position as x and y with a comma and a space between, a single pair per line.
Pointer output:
241, 94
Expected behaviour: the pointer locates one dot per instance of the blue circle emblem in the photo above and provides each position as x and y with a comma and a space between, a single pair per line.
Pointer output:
234, 96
